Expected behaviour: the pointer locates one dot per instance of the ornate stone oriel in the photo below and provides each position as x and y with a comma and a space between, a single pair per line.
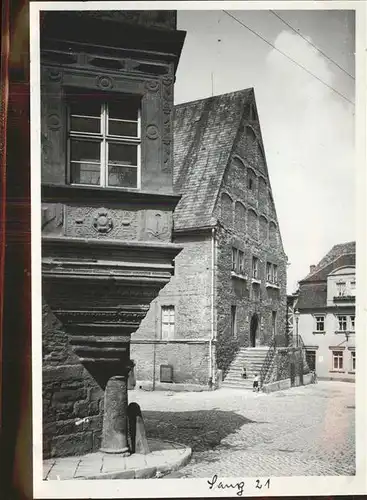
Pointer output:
106, 253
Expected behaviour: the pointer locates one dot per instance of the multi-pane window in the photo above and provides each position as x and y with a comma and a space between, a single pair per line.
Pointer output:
271, 273
238, 261
320, 323
234, 321
255, 268
341, 287
274, 322
337, 360
104, 142
167, 322
342, 323
352, 322
234, 259
353, 360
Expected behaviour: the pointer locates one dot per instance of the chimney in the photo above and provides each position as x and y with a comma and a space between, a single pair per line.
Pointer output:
312, 268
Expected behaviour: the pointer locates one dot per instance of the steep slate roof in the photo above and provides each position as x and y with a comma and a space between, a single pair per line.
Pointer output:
204, 135
312, 296
340, 255
313, 288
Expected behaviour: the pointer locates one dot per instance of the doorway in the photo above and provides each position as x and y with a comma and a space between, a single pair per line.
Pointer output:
253, 329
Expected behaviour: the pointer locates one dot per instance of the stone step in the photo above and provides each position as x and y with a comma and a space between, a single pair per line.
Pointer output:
252, 353
253, 360
239, 366
249, 368
249, 357
238, 381
237, 386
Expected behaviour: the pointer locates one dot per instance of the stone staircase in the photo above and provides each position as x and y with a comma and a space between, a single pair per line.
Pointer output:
252, 358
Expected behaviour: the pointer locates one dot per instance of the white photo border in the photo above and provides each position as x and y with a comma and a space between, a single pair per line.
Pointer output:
171, 488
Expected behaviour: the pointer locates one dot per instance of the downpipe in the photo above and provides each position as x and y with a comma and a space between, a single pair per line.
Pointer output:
211, 339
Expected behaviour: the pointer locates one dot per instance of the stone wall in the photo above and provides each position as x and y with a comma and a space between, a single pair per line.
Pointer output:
248, 223
72, 397
288, 363
190, 292
190, 361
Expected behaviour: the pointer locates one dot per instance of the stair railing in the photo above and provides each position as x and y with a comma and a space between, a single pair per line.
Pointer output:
265, 369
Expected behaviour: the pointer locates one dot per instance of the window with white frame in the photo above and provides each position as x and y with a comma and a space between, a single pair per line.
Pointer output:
341, 287
234, 258
353, 360
352, 322
167, 322
238, 261
255, 268
320, 323
352, 287
234, 321
342, 323
337, 360
275, 273
104, 141
271, 273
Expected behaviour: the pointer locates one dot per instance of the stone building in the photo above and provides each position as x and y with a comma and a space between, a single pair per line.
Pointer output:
326, 314
229, 288
107, 204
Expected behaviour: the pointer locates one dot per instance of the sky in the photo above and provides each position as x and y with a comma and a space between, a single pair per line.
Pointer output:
307, 128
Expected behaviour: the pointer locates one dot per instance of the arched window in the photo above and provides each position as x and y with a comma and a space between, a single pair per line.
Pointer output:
263, 229
251, 180
253, 224
226, 209
273, 234
240, 219
262, 192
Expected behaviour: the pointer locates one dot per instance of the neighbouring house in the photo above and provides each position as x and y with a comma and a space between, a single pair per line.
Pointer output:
325, 313
229, 288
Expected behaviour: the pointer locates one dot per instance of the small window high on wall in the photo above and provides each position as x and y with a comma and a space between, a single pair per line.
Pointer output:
234, 321
104, 140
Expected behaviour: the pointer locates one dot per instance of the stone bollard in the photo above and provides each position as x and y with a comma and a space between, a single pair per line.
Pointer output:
139, 442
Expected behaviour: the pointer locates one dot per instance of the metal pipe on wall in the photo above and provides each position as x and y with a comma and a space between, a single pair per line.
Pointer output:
212, 333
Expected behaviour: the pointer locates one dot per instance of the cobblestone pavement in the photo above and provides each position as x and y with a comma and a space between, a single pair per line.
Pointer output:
301, 431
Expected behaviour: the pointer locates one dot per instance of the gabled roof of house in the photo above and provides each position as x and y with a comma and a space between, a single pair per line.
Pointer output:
343, 254
312, 296
313, 288
204, 135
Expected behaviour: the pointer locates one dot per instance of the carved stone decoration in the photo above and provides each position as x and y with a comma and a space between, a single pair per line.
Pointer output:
102, 223
54, 75
104, 82
152, 85
157, 225
52, 218
46, 148
54, 121
93, 222
152, 132
167, 97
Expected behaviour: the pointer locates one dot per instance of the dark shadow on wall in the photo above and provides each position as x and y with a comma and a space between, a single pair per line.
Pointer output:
200, 430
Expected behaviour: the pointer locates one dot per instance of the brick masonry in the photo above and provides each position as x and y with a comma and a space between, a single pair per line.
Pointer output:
189, 291
72, 399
